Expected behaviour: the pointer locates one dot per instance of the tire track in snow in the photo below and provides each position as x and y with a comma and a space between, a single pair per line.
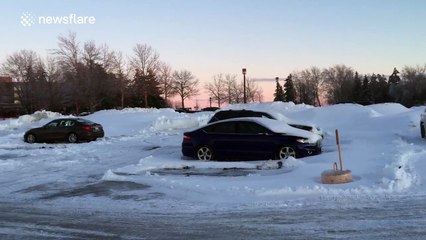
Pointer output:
401, 174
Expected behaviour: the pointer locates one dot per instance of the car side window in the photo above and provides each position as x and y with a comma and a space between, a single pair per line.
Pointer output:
69, 123
251, 128
221, 128
52, 124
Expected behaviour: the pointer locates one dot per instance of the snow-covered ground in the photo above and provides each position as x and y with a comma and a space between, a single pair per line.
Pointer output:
139, 165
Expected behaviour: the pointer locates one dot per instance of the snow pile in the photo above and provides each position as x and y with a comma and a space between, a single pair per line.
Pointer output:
401, 174
280, 107
27, 120
164, 123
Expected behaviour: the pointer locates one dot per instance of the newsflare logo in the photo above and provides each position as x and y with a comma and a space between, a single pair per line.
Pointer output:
28, 19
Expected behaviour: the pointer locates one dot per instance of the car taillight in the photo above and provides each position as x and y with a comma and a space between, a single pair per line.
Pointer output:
186, 138
87, 128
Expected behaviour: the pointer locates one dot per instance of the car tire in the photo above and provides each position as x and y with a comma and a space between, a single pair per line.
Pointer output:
204, 153
422, 129
285, 152
30, 138
72, 138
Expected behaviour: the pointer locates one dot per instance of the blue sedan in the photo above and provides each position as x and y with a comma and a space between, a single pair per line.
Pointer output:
249, 139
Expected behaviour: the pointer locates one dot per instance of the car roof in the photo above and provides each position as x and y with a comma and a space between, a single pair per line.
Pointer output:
226, 114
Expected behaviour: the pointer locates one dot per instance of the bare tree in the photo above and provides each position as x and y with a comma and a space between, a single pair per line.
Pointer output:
308, 84
107, 58
166, 81
253, 91
68, 52
94, 78
316, 80
54, 84
234, 93
26, 68
69, 58
414, 85
145, 59
122, 72
304, 88
91, 53
185, 85
217, 89
339, 82
145, 65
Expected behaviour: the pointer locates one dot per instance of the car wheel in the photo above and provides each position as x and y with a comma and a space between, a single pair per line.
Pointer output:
204, 153
30, 138
422, 129
72, 138
285, 152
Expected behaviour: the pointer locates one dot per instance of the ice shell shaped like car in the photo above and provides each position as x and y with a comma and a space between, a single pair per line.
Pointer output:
70, 130
238, 113
249, 139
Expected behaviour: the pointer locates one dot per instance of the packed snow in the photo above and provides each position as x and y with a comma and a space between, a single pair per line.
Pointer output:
138, 164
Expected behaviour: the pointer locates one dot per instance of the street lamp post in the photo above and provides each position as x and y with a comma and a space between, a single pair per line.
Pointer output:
244, 84
210, 101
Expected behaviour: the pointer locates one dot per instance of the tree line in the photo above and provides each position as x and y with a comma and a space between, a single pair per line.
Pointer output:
85, 77
78, 77
341, 84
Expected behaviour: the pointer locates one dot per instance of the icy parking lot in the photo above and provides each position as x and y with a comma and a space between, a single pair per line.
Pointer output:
137, 172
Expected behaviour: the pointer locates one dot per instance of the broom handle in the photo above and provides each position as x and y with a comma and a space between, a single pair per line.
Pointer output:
338, 148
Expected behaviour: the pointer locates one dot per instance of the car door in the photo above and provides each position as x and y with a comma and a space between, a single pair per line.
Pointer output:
63, 129
254, 141
222, 138
48, 132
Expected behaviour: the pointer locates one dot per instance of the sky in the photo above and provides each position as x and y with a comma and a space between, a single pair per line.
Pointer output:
270, 38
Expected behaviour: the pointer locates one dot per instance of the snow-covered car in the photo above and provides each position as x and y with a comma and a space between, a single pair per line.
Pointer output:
422, 124
70, 130
250, 138
227, 114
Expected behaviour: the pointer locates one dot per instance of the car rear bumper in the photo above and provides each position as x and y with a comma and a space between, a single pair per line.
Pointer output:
91, 135
187, 149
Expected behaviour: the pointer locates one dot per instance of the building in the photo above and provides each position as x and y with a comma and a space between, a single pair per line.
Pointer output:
9, 107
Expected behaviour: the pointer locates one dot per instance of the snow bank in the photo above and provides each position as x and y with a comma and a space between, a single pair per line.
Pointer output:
27, 120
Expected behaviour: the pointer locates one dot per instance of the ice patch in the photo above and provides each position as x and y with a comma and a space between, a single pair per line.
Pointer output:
111, 176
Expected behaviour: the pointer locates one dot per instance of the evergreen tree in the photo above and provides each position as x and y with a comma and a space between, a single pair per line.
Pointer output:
395, 88
147, 88
279, 92
357, 89
289, 90
379, 88
366, 97
394, 78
